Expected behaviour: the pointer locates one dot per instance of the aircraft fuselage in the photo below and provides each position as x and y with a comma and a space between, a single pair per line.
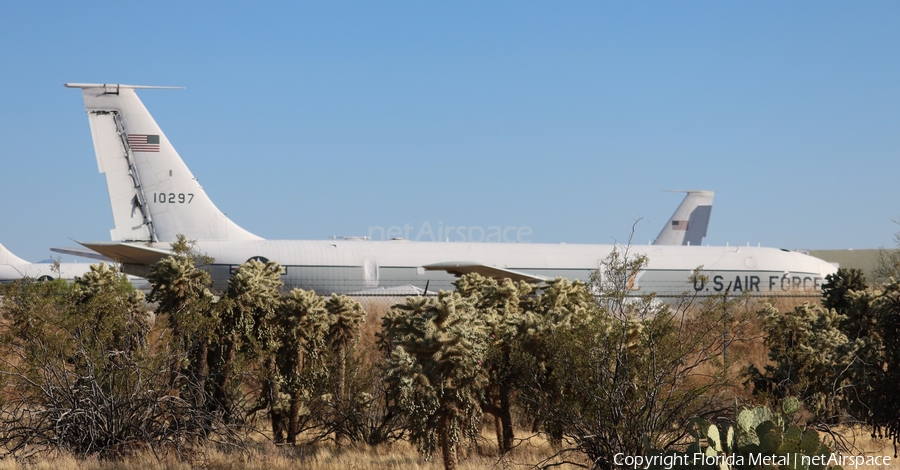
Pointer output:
353, 266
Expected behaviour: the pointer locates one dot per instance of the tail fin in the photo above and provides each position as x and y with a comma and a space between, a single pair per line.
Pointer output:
153, 194
6, 257
689, 222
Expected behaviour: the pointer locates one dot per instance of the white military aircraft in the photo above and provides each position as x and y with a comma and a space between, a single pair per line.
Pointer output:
155, 197
689, 222
13, 268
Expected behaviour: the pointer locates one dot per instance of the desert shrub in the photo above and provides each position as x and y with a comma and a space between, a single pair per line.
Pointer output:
879, 395
842, 359
81, 378
810, 359
624, 371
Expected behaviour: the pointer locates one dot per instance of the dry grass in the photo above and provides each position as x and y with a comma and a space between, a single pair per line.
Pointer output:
322, 456
375, 308
400, 456
860, 441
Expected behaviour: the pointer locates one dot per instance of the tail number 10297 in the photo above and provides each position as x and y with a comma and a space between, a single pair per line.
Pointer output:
173, 198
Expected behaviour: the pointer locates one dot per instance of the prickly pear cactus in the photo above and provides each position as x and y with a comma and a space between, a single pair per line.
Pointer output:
713, 439
809, 442
729, 440
790, 405
774, 437
759, 431
769, 439
788, 448
793, 432
748, 420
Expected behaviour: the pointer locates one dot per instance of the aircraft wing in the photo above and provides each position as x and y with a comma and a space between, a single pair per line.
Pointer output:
460, 268
82, 252
128, 253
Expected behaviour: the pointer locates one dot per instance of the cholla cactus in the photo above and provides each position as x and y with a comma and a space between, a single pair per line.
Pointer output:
181, 291
502, 305
302, 323
564, 303
560, 304
346, 317
247, 310
250, 303
811, 358
112, 312
176, 281
436, 350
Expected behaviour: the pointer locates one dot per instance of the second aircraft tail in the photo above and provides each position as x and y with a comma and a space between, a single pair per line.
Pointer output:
689, 222
6, 257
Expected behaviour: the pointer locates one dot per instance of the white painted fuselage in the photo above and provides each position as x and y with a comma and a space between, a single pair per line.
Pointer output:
41, 271
354, 266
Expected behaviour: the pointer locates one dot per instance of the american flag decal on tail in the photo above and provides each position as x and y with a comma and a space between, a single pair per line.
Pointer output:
143, 142
680, 225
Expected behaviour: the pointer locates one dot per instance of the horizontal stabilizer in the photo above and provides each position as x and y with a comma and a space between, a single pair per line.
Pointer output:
129, 253
460, 268
81, 252
115, 87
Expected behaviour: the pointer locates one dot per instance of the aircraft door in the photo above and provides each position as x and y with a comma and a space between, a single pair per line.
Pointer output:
370, 272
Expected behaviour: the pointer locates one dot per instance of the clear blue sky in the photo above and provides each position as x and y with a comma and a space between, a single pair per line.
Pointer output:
312, 119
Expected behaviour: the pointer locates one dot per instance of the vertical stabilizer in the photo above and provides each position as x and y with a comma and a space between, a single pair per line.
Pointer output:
6, 257
153, 194
689, 222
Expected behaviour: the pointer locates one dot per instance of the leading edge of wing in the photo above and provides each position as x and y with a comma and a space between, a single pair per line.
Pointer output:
128, 253
81, 252
459, 268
